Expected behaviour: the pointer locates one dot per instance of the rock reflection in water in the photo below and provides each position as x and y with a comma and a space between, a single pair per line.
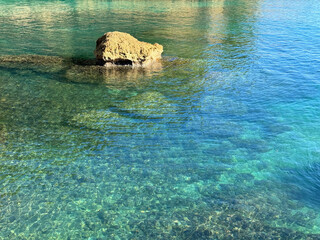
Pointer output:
122, 76
83, 71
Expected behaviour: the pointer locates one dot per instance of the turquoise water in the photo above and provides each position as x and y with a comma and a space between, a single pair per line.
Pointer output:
220, 142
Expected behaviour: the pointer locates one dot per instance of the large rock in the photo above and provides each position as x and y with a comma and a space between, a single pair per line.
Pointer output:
123, 49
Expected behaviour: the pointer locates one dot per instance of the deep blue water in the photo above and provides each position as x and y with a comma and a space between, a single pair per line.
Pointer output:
221, 142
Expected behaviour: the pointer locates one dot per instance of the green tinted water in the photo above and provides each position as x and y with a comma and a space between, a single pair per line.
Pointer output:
220, 142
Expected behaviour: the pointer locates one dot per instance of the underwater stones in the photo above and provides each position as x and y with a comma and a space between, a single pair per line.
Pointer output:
123, 49
150, 104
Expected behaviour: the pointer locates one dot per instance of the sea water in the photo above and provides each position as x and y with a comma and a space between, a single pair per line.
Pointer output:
221, 142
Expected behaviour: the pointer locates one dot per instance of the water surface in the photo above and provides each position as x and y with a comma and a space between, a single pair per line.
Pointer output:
222, 142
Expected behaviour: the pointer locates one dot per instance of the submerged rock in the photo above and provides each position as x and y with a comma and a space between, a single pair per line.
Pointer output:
40, 63
150, 104
35, 59
123, 49
100, 120
3, 133
108, 121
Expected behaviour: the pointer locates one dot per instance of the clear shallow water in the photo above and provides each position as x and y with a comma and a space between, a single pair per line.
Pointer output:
222, 142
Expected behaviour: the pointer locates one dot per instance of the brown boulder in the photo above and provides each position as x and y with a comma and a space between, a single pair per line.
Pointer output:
122, 49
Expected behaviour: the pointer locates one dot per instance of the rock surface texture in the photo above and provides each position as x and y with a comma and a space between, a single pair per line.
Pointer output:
117, 48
